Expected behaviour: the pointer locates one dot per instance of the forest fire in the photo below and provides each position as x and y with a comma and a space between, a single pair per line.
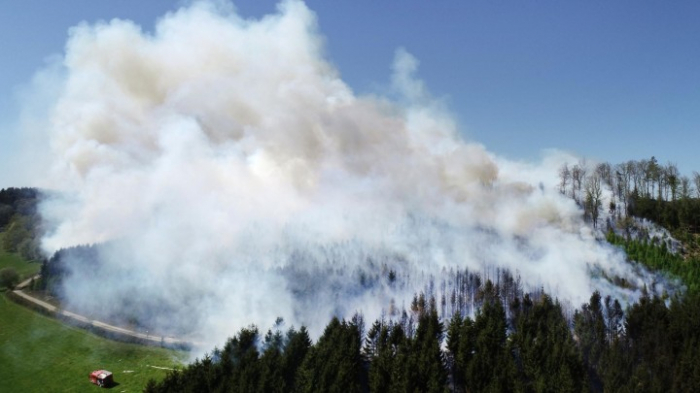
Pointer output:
221, 187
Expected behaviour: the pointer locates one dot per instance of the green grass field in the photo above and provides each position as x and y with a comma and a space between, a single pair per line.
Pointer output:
41, 354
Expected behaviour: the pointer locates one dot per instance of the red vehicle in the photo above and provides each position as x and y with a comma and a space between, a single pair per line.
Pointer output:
101, 378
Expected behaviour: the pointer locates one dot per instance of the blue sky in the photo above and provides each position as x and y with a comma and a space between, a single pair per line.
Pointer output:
608, 80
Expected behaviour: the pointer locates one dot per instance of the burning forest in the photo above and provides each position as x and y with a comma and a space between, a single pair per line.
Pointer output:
225, 175
216, 175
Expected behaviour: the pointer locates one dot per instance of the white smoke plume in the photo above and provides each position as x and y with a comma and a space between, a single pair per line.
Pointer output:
239, 179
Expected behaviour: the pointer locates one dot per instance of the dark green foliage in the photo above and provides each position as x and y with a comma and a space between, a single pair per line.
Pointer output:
6, 213
380, 350
480, 358
334, 364
237, 368
678, 214
454, 338
658, 350
426, 365
8, 278
241, 355
647, 329
618, 364
485, 355
547, 356
22, 201
534, 350
298, 345
20, 221
589, 327
271, 370
684, 334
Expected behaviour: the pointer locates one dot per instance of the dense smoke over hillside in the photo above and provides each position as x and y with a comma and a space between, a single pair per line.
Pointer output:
240, 179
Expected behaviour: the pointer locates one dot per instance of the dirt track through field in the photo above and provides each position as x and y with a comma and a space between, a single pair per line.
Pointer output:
148, 338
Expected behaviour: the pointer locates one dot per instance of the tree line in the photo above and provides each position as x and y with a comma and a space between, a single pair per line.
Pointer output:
20, 221
652, 346
476, 333
642, 188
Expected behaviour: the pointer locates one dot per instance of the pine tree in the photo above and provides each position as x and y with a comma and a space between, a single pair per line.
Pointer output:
430, 369
489, 363
298, 345
589, 327
548, 359
334, 364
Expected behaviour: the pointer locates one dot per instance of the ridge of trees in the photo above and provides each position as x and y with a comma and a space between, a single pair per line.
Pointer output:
647, 190
642, 188
516, 341
534, 349
477, 335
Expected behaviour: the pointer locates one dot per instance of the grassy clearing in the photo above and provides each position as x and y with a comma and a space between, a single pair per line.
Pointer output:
40, 354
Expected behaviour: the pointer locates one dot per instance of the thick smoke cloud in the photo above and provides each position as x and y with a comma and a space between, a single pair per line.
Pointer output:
238, 179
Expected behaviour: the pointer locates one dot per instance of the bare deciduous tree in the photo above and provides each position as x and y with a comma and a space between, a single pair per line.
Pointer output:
564, 176
594, 198
578, 176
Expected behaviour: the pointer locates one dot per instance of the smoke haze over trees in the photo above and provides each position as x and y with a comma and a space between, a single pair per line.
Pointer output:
227, 175
527, 346
218, 175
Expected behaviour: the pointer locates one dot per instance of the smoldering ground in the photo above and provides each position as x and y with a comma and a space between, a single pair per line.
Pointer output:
238, 179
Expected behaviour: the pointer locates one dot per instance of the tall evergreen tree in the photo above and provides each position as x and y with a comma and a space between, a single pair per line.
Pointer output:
489, 363
334, 364
589, 327
547, 356
430, 374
